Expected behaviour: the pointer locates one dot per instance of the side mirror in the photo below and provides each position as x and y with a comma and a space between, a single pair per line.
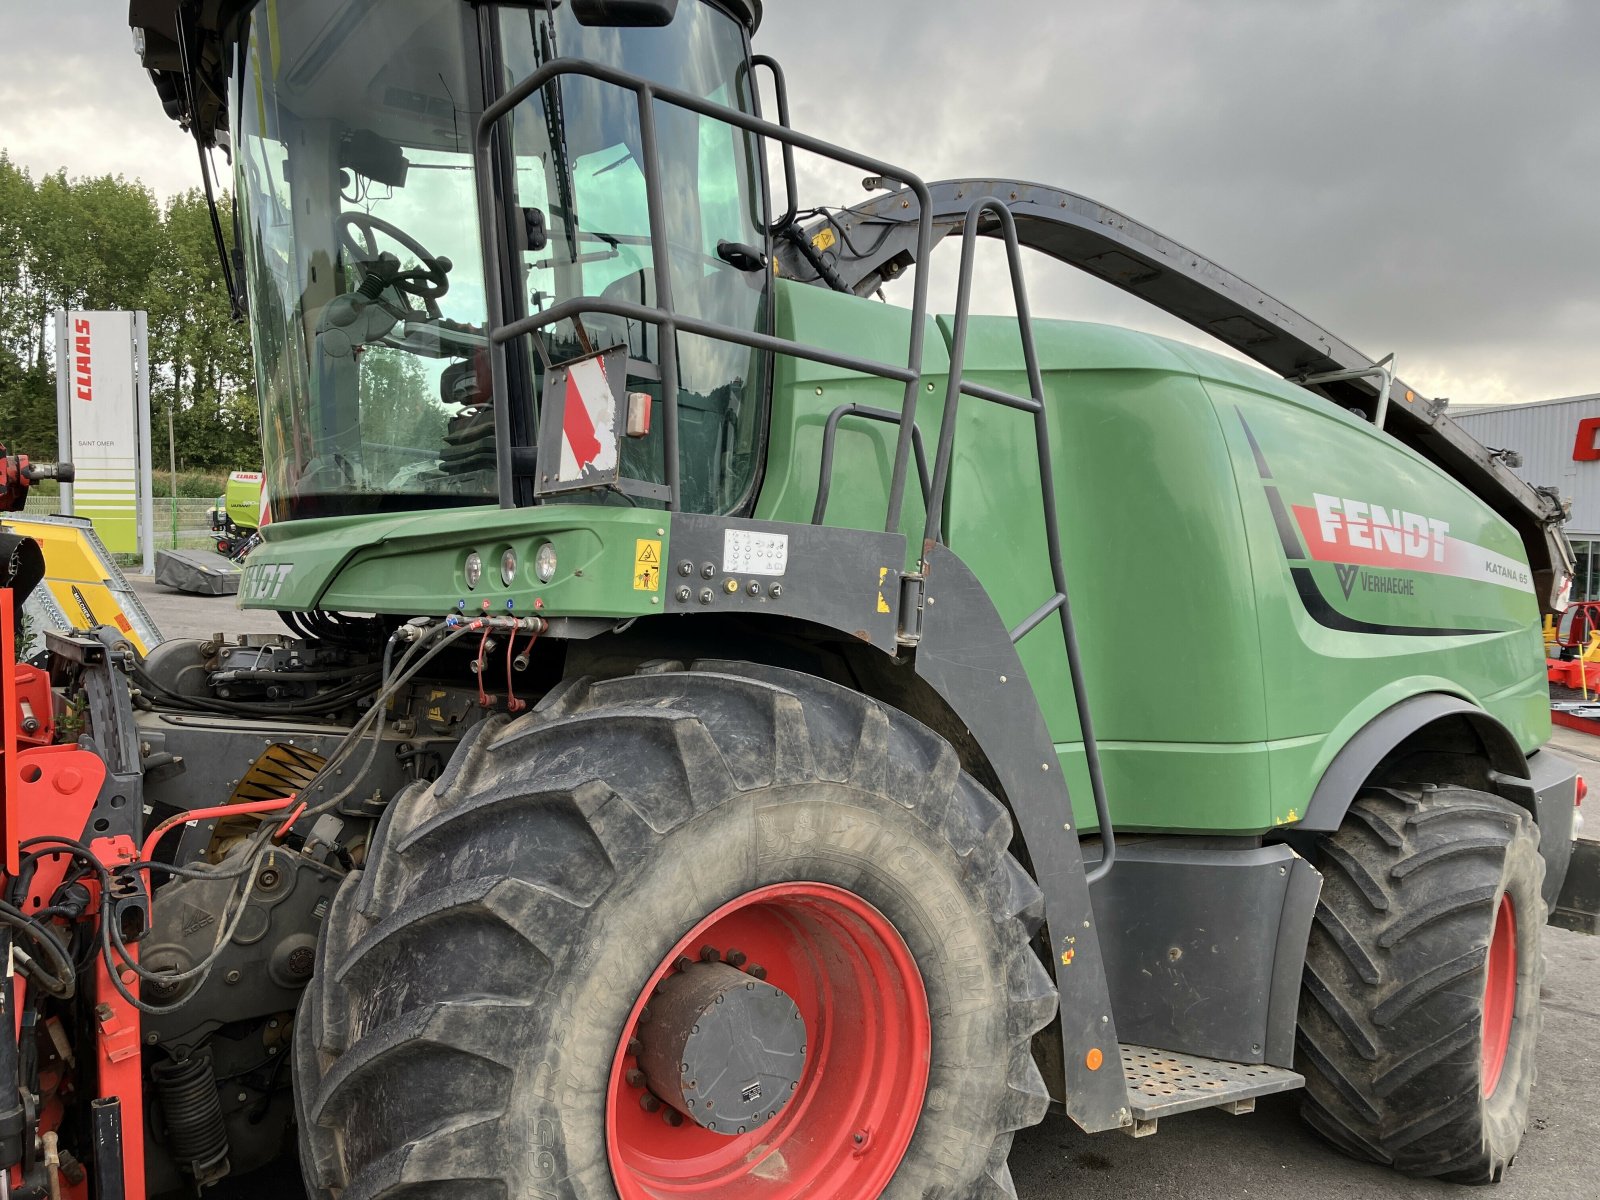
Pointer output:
625, 13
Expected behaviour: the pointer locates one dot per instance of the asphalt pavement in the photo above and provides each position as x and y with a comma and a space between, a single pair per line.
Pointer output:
1266, 1155
1270, 1155
179, 615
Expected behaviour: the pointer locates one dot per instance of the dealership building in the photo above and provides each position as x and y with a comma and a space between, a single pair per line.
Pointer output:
1559, 441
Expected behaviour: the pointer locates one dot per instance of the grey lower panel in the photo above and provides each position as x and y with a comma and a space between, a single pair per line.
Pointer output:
1555, 783
1204, 946
1578, 906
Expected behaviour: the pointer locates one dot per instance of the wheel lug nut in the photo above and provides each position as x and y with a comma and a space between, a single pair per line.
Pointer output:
634, 1047
672, 1117
649, 1102
757, 971
635, 1077
710, 954
683, 962
737, 958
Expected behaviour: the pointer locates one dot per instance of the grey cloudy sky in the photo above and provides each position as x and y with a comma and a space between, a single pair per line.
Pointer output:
1418, 175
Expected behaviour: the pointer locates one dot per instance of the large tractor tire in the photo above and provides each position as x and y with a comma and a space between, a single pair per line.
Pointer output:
1420, 1009
728, 932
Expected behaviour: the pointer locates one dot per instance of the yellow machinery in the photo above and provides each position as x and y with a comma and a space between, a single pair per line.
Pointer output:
82, 586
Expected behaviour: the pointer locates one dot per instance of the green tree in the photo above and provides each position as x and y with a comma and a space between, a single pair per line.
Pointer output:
200, 355
105, 243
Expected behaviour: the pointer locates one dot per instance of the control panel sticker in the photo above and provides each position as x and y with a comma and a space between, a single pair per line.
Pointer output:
745, 552
647, 565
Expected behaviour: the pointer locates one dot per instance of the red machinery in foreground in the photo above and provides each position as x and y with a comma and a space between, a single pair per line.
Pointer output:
77, 886
1572, 667
72, 891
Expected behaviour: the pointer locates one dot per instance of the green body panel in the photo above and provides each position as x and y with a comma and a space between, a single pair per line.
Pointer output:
414, 563
1219, 697
1228, 654
1157, 562
805, 392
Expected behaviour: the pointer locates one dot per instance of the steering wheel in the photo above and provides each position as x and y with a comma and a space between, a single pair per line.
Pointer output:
358, 240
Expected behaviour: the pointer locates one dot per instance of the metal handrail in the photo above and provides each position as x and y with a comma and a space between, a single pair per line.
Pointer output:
1034, 403
780, 91
669, 322
830, 431
663, 314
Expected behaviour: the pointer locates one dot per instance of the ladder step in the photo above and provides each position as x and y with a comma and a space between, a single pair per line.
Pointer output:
1162, 1083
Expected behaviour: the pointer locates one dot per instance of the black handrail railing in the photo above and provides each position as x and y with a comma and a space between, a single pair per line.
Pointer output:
830, 433
1033, 403
669, 322
662, 313
780, 90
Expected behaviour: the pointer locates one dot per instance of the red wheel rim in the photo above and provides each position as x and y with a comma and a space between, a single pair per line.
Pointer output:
1499, 994
846, 1127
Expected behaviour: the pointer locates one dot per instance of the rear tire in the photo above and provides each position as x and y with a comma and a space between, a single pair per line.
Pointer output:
1420, 1013
475, 978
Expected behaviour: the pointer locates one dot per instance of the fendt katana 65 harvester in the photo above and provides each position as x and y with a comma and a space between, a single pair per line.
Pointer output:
677, 778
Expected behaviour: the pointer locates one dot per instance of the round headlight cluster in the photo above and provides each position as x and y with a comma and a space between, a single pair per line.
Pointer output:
544, 562
544, 566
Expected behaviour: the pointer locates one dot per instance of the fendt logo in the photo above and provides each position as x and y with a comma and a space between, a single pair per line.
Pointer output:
1358, 533
264, 581
1392, 533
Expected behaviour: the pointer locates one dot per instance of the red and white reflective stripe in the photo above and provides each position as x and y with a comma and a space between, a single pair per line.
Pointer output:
588, 421
264, 514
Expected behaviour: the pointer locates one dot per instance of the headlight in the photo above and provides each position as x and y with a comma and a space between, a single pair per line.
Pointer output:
474, 569
508, 567
544, 563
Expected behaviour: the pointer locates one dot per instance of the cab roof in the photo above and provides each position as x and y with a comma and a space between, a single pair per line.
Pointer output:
186, 45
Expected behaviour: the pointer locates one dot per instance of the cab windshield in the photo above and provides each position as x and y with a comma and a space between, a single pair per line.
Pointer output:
585, 229
353, 131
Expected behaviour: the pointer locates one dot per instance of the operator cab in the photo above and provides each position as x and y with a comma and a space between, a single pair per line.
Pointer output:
353, 133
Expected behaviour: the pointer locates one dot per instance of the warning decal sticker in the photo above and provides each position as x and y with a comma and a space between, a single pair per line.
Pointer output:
647, 565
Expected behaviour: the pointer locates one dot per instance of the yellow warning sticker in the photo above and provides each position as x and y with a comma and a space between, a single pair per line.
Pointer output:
883, 604
825, 239
647, 565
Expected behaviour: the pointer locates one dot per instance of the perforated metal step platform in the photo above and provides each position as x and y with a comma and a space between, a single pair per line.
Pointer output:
1162, 1083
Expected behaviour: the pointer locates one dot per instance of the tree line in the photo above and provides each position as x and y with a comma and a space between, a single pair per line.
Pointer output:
107, 243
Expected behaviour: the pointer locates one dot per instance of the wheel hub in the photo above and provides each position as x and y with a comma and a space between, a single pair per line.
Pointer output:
722, 1048
805, 991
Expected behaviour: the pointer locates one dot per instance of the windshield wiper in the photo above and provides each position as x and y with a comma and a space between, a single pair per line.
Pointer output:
544, 51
